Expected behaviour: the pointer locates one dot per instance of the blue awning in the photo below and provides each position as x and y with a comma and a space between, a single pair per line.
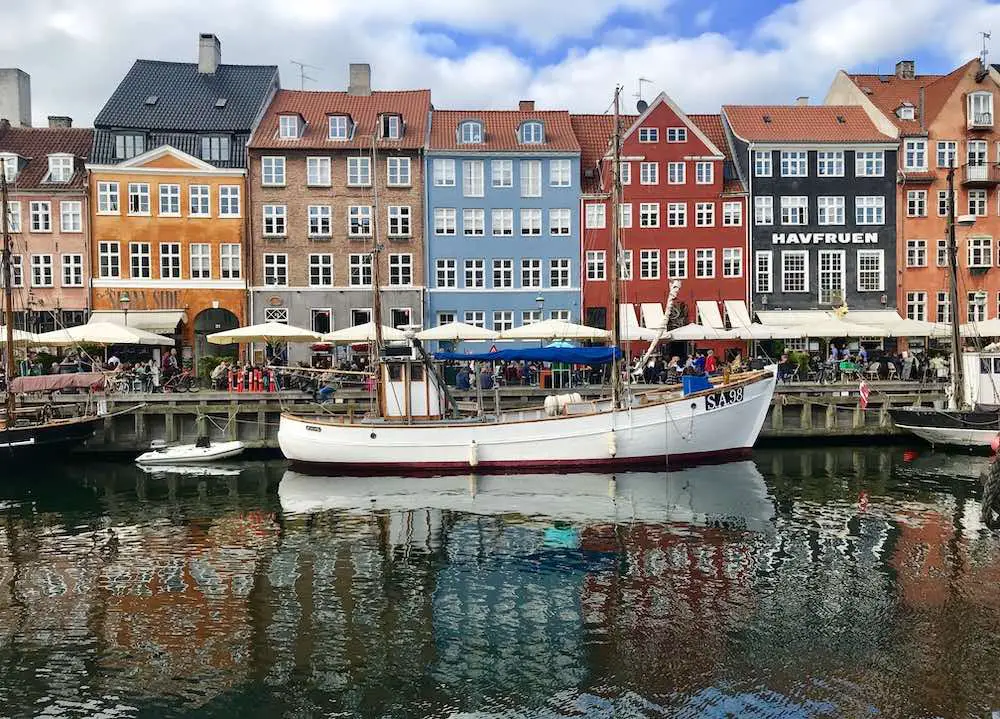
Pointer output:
568, 355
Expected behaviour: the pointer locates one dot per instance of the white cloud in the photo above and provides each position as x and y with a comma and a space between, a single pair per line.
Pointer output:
77, 57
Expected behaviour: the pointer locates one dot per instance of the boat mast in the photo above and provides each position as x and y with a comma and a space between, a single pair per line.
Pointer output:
376, 364
616, 196
958, 372
8, 297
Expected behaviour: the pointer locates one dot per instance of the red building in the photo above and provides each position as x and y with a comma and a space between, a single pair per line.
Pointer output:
682, 216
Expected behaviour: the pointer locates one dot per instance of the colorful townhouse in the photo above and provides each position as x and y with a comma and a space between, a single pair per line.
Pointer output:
940, 120
682, 217
503, 222
332, 175
822, 187
48, 218
168, 188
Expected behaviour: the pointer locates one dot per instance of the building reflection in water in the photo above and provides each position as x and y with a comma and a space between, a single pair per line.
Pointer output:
839, 581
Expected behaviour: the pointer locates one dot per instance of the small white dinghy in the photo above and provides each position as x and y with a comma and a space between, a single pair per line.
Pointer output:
198, 453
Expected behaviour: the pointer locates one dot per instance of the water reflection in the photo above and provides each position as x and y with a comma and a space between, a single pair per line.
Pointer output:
827, 582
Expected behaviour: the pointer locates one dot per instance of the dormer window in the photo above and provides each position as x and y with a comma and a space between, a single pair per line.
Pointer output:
392, 127
532, 133
8, 163
215, 148
128, 146
980, 109
288, 127
905, 111
60, 168
340, 127
470, 133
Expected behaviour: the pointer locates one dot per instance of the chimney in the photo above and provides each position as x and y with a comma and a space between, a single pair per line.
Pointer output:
526, 106
15, 96
906, 69
359, 79
802, 100
209, 53
60, 121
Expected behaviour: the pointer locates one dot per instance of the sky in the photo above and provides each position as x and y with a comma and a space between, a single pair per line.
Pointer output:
564, 54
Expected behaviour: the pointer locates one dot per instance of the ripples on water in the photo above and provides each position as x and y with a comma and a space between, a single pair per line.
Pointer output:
818, 583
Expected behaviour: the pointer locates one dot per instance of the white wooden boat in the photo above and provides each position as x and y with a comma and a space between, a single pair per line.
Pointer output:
190, 453
655, 428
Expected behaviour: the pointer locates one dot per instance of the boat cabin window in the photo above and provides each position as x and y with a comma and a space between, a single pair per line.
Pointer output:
417, 373
989, 365
395, 372
996, 365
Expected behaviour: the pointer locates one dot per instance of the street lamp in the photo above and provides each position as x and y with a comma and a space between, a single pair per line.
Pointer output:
123, 301
540, 303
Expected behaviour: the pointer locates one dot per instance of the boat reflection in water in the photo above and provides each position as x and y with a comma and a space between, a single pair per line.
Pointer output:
732, 495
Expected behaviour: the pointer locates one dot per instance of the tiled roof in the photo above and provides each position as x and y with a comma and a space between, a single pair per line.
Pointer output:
35, 144
593, 133
364, 110
500, 130
104, 147
803, 123
888, 92
187, 100
711, 125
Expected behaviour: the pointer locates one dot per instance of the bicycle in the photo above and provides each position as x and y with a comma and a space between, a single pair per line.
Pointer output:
183, 381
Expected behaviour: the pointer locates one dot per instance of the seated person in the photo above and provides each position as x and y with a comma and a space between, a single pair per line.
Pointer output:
486, 378
463, 378
786, 368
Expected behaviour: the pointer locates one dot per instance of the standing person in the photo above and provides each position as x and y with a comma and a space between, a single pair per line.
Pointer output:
699, 363
169, 366
711, 362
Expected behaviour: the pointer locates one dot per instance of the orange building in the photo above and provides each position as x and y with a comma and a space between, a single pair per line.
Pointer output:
168, 195
167, 233
940, 120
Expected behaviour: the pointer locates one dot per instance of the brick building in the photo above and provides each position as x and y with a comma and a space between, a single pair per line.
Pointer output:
939, 119
320, 164
167, 181
48, 219
682, 215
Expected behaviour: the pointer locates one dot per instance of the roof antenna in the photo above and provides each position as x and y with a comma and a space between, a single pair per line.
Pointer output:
641, 105
303, 76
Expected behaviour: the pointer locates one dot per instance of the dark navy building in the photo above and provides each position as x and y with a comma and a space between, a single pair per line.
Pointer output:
822, 185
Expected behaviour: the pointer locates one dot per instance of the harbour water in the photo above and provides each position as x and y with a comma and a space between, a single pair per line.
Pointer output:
825, 582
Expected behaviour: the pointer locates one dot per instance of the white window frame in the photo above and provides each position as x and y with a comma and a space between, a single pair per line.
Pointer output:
827, 204
830, 163
230, 261
288, 127
560, 173
359, 217
560, 221
797, 206
42, 270
199, 200
869, 210
277, 217
676, 173
916, 203
275, 267
502, 222
763, 271
40, 216
398, 172
649, 135
60, 169
916, 305
596, 261
446, 273
501, 173
72, 270
71, 216
649, 214
109, 265
532, 132
835, 258
474, 222
794, 163
359, 171
473, 181
787, 255
915, 154
979, 252
649, 264
503, 273
677, 264
704, 214
169, 195
649, 173
946, 153
560, 273
319, 221
916, 253
445, 221
443, 169
338, 128
319, 171
869, 163
677, 135
272, 171
13, 216
531, 178
470, 132
763, 163
200, 257
879, 257
399, 221
140, 260
171, 265
531, 222
595, 215
677, 214
320, 269
531, 270
763, 210
704, 263
704, 172
732, 257
360, 268
229, 201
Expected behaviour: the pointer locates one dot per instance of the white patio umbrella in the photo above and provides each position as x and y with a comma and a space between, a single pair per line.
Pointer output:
757, 331
100, 333
266, 332
554, 330
20, 336
454, 331
635, 333
363, 333
694, 332
986, 328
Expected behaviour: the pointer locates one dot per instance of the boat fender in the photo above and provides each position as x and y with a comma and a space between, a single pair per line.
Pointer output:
612, 444
551, 406
473, 454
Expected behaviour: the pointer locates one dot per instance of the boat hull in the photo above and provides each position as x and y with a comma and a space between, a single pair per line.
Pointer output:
716, 425
45, 441
973, 429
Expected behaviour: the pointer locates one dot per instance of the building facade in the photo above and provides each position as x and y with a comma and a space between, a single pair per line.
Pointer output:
168, 188
332, 174
503, 218
822, 193
48, 218
682, 217
940, 120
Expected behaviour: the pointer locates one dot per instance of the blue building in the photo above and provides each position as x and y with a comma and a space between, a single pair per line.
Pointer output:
503, 220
